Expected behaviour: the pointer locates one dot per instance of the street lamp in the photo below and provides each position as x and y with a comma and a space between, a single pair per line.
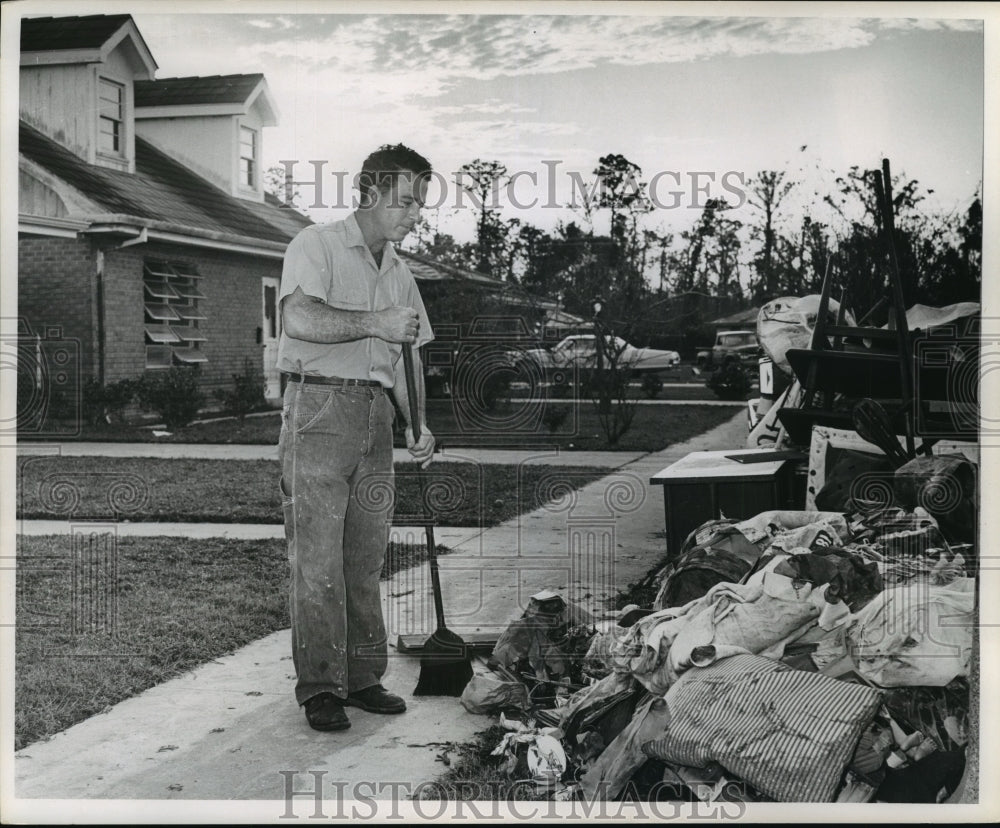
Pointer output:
598, 341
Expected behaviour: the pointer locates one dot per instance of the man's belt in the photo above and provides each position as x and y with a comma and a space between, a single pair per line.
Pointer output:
314, 379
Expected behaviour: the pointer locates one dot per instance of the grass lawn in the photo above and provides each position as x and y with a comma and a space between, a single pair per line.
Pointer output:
181, 603
461, 425
246, 491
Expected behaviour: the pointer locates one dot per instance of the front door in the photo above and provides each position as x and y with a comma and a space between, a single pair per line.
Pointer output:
271, 330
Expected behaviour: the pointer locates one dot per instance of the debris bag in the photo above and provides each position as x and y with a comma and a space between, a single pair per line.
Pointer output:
536, 641
812, 537
945, 487
922, 317
940, 712
849, 577
592, 697
537, 750
624, 756
726, 555
598, 660
903, 535
930, 780
915, 635
488, 693
857, 481
764, 527
788, 322
644, 651
789, 733
745, 618
546, 761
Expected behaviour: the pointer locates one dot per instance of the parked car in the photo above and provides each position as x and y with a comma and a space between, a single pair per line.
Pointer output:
741, 345
579, 352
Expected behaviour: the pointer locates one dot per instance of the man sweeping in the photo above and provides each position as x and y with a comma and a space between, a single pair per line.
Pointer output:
348, 305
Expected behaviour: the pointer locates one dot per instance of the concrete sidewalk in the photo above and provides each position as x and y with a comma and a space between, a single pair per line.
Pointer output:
444, 535
217, 451
228, 729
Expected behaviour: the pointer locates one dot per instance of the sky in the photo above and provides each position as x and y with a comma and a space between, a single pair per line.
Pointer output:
550, 94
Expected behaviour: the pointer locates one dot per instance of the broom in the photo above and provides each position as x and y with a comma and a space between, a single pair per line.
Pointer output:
445, 661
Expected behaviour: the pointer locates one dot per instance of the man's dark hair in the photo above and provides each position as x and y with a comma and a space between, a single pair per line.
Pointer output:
379, 170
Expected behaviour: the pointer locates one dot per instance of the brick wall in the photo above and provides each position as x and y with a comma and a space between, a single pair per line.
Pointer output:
55, 279
231, 285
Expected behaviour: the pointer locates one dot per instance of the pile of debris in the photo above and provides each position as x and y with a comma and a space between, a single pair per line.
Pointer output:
798, 656
815, 655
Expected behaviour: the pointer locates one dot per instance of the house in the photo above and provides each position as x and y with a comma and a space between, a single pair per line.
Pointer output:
146, 238
145, 235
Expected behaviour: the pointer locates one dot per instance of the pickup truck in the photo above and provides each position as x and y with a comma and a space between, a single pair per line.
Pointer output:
741, 345
580, 352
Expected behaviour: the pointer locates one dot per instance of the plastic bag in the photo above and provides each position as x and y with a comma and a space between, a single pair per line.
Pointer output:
788, 322
488, 693
915, 635
540, 747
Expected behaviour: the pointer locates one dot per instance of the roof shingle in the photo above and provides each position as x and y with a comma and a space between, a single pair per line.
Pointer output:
213, 89
46, 34
161, 189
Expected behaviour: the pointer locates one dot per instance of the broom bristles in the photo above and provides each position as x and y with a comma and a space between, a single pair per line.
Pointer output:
445, 666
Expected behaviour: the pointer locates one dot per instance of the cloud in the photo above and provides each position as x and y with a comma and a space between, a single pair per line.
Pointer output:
346, 83
389, 58
489, 108
927, 24
447, 48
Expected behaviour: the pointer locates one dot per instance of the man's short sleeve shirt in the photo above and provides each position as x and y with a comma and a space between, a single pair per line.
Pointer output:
331, 262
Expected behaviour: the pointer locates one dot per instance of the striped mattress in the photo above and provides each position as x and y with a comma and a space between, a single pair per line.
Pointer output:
787, 732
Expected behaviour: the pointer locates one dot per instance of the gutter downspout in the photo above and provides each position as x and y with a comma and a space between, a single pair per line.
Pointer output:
142, 238
99, 301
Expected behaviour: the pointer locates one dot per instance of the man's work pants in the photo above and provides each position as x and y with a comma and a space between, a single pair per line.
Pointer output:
337, 492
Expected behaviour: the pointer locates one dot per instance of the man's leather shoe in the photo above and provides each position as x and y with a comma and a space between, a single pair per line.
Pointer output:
326, 712
376, 699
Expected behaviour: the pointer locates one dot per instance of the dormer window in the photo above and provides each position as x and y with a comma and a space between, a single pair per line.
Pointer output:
248, 157
111, 100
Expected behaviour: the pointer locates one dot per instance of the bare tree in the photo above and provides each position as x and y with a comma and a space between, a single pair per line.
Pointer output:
767, 190
483, 181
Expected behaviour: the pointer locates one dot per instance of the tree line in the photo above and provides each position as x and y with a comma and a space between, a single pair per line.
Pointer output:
779, 245
657, 285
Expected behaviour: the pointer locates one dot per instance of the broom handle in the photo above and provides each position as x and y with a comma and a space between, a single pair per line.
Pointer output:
411, 397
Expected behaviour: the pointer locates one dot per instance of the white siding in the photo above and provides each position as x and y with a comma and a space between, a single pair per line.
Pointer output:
38, 199
205, 144
59, 101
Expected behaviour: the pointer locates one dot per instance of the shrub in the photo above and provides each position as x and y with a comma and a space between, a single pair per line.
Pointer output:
560, 388
554, 416
173, 394
651, 385
495, 387
730, 381
247, 393
107, 403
